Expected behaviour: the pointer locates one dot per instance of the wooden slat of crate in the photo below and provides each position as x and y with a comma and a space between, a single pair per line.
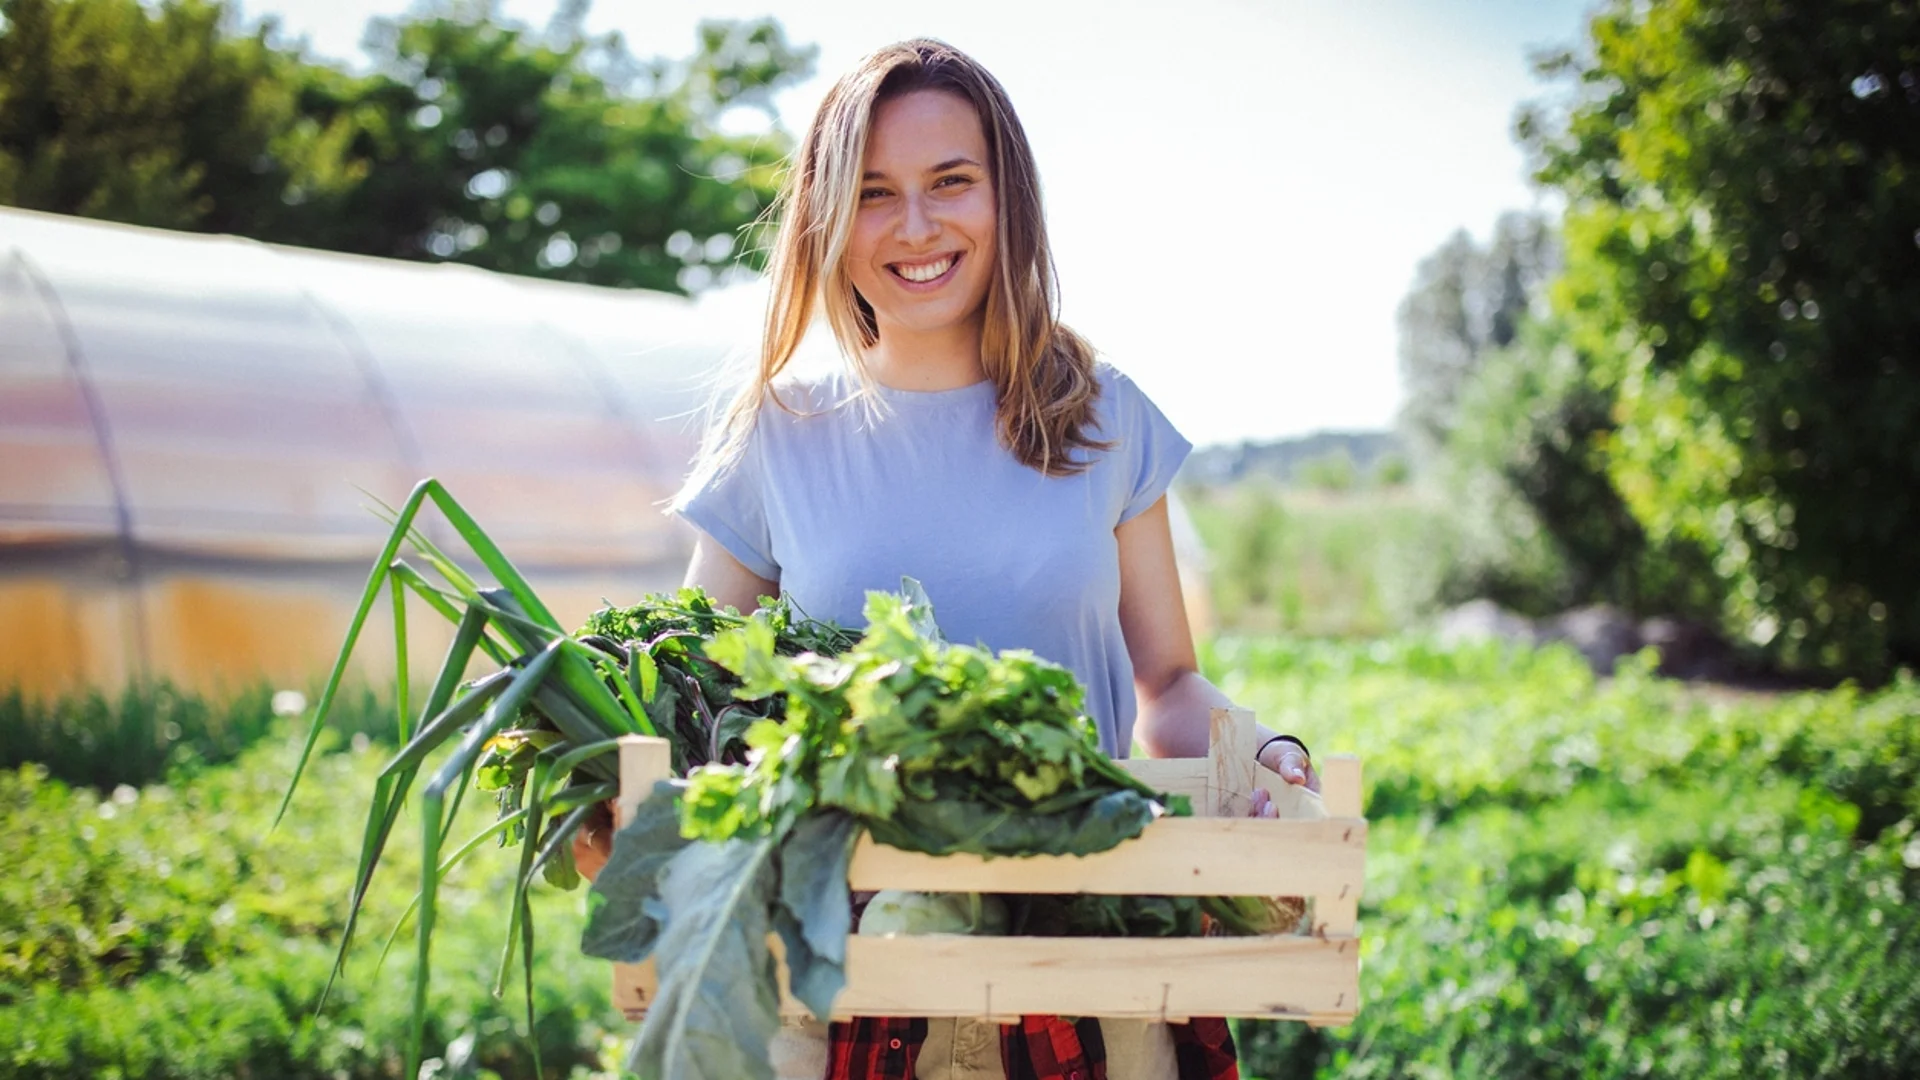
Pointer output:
1282, 977
1174, 856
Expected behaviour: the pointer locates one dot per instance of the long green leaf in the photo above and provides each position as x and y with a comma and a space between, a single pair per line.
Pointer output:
403, 518
500, 713
536, 819
580, 755
450, 604
446, 865
450, 721
391, 788
401, 675
576, 668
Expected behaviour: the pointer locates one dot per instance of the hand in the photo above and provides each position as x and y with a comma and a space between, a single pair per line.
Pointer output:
1293, 765
593, 841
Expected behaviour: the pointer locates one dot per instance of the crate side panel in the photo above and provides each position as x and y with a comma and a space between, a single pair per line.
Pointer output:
1148, 978
1174, 856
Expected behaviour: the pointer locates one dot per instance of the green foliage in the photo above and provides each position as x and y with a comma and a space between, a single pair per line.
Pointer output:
1544, 528
933, 747
1351, 565
475, 140
558, 154
160, 933
148, 730
926, 746
1569, 877
1743, 275
160, 115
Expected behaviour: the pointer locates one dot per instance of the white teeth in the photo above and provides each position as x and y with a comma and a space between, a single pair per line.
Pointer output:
927, 272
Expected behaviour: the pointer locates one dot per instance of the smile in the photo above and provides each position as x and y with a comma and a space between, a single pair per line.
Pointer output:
928, 273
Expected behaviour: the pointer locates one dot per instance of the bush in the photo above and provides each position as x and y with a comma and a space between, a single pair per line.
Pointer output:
1570, 877
91, 738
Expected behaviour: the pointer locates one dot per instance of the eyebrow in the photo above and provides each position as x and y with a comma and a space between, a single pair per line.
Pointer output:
951, 163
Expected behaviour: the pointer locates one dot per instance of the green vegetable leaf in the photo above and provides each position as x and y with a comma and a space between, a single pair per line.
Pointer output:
948, 826
815, 912
623, 906
718, 1006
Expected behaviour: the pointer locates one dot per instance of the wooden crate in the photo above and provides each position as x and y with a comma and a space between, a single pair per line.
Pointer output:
1315, 850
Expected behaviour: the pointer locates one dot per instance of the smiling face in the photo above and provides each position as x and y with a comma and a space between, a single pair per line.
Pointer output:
923, 245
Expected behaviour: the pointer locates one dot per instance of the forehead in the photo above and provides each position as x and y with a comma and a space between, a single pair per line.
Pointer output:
918, 130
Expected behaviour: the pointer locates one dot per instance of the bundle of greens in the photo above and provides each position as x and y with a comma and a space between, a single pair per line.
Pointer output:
539, 732
928, 746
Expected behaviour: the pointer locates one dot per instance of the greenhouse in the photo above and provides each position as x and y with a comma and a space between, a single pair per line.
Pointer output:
194, 429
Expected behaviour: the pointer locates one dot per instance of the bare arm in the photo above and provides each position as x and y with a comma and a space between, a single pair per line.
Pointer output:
1176, 701
726, 578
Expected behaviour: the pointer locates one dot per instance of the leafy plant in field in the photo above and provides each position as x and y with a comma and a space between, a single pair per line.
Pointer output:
158, 934
1573, 877
146, 730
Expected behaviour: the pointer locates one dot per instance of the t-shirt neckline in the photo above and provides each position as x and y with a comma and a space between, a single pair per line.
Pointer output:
968, 394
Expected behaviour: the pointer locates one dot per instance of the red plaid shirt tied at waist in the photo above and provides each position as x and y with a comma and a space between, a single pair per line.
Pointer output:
1037, 1048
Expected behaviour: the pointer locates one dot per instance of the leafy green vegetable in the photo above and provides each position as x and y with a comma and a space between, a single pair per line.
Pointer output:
623, 906
718, 1006
902, 911
929, 746
815, 912
933, 747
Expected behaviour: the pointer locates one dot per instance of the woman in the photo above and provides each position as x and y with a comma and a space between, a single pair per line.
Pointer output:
973, 443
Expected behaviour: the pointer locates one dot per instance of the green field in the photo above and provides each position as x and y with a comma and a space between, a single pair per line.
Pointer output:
1567, 877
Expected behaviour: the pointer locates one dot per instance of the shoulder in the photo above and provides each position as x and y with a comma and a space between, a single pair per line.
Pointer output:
801, 398
1122, 408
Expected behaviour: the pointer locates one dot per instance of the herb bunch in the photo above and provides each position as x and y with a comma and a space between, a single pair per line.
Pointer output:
932, 747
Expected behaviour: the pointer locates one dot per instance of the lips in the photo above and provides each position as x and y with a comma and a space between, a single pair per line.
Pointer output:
929, 272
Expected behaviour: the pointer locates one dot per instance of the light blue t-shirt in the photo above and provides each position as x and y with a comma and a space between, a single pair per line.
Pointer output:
839, 502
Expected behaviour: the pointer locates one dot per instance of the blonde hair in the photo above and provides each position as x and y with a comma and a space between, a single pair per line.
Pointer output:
1042, 371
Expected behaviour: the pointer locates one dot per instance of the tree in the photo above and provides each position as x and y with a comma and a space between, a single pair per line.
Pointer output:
1743, 276
1465, 303
476, 140
556, 154
158, 117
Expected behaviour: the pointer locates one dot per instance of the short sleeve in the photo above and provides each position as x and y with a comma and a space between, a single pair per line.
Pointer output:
730, 505
1151, 449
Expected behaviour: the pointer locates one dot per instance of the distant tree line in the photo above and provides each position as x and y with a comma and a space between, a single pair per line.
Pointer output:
1700, 391
553, 153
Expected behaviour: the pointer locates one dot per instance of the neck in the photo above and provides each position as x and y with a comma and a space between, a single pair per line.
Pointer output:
944, 359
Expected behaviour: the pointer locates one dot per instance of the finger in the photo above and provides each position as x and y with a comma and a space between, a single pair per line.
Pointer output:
1261, 805
1293, 767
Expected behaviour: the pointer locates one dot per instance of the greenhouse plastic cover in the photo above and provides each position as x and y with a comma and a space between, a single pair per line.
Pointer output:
222, 397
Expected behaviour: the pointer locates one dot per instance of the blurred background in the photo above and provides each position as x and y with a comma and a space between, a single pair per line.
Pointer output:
1554, 370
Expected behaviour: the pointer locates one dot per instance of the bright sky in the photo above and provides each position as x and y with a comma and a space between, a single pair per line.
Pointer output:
1238, 191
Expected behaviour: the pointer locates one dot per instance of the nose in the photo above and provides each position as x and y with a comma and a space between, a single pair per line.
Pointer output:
917, 225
